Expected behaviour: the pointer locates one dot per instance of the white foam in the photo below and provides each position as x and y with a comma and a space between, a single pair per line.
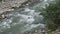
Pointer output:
45, 0
28, 19
29, 27
27, 9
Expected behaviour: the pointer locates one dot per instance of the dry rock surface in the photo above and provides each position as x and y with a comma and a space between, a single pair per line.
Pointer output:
6, 5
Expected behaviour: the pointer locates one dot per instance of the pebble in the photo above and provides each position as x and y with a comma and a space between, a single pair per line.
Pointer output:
3, 16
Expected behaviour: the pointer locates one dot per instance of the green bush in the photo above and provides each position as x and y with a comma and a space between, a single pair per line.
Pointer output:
52, 15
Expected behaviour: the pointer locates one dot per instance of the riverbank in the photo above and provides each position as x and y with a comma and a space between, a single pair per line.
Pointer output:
10, 5
6, 6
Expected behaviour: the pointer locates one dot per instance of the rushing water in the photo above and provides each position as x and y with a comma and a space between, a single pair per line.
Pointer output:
25, 19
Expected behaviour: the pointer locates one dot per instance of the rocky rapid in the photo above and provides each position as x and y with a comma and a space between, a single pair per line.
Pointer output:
24, 19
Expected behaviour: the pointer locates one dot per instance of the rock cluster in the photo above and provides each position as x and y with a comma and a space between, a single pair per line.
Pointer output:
39, 31
9, 5
6, 5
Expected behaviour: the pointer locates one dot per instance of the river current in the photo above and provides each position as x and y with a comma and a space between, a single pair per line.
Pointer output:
25, 19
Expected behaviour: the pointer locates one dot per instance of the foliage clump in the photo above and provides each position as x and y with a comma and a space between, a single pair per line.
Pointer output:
52, 15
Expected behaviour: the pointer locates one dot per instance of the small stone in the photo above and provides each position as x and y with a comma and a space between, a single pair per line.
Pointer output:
27, 4
17, 6
10, 9
3, 16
